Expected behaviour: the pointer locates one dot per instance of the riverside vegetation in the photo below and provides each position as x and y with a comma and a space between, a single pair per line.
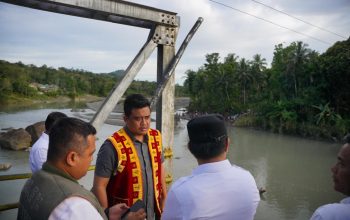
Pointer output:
303, 92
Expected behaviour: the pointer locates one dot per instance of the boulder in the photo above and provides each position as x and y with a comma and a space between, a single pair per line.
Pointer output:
35, 130
16, 139
5, 166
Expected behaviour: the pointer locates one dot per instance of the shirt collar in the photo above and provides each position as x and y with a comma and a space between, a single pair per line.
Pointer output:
52, 169
346, 200
212, 167
45, 136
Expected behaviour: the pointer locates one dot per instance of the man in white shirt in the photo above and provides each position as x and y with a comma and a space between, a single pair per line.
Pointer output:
38, 153
341, 179
54, 192
216, 189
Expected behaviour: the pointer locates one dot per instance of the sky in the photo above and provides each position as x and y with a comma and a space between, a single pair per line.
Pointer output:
38, 37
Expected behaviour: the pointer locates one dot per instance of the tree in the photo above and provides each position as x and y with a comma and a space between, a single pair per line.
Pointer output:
258, 68
297, 56
245, 77
189, 82
335, 66
5, 85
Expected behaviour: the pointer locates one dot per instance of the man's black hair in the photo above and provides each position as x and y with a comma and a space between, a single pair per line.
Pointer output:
207, 150
67, 134
207, 136
51, 118
135, 101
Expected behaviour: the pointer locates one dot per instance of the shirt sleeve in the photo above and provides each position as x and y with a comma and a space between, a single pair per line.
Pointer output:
172, 209
107, 160
75, 208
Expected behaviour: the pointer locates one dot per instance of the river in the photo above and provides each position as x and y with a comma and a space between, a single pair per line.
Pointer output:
294, 171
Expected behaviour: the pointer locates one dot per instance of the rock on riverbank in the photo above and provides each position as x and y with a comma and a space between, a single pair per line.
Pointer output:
16, 139
21, 139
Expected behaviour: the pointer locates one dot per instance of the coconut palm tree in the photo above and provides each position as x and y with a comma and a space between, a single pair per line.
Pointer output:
297, 56
244, 77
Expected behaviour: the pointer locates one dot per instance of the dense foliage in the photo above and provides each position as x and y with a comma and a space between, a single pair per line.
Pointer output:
301, 93
22, 80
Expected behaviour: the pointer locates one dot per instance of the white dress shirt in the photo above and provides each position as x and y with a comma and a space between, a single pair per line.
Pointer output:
38, 153
334, 211
214, 191
76, 208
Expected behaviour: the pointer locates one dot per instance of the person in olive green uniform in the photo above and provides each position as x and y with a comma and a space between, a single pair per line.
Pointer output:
53, 192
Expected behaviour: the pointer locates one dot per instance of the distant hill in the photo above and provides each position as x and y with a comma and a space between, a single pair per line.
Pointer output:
117, 73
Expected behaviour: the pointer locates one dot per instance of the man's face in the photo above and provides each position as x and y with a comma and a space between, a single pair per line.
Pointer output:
139, 121
85, 157
341, 171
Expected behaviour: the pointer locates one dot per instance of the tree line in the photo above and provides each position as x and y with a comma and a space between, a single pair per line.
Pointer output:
303, 92
16, 79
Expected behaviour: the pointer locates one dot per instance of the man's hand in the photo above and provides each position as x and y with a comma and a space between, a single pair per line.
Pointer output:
116, 211
139, 215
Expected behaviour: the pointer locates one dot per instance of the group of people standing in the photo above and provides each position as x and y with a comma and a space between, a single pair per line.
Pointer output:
129, 169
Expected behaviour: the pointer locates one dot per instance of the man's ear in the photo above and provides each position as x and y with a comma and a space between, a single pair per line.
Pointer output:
227, 143
72, 158
125, 118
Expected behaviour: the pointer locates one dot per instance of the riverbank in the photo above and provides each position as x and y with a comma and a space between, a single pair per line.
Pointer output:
303, 130
117, 118
16, 103
180, 102
91, 101
81, 102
